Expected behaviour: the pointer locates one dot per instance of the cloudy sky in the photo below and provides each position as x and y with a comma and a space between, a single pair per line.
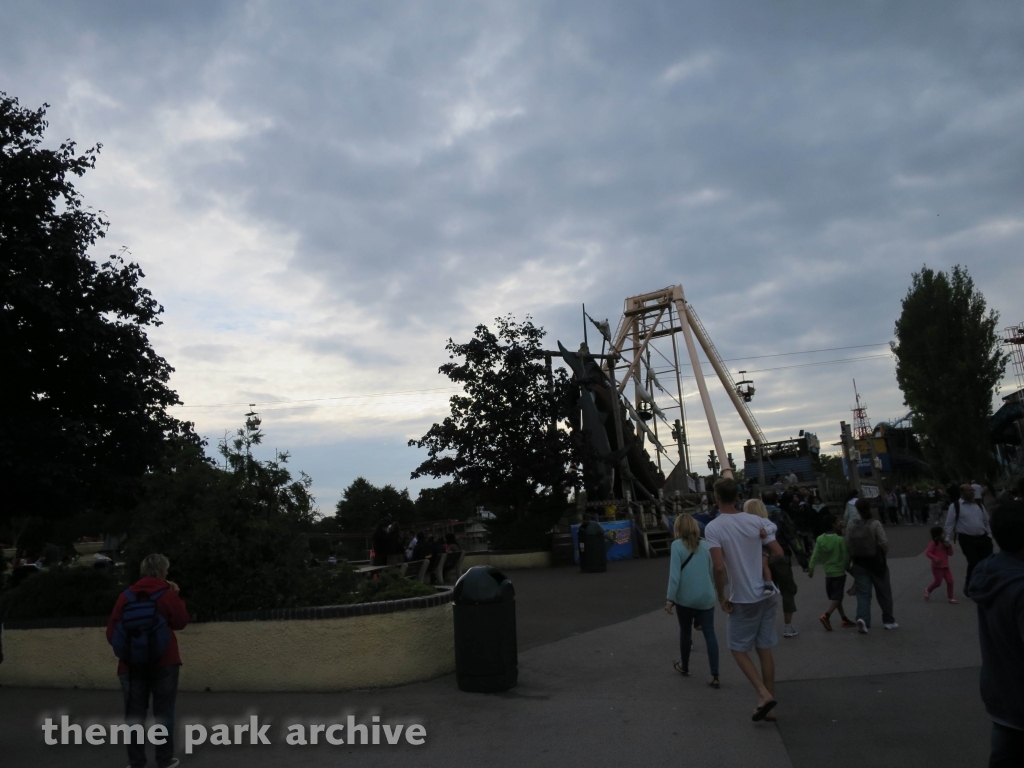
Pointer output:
321, 194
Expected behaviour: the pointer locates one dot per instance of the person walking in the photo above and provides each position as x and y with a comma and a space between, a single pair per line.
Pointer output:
932, 495
780, 567
734, 540
997, 588
850, 510
151, 609
867, 545
939, 551
891, 508
967, 521
691, 592
905, 515
830, 553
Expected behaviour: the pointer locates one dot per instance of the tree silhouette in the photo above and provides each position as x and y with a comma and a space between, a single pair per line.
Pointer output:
948, 365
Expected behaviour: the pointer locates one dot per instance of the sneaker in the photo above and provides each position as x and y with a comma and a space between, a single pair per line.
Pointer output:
847, 623
789, 631
894, 625
175, 762
825, 622
927, 595
862, 627
954, 601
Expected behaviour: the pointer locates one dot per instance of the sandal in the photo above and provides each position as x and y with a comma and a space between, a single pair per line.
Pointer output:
764, 709
678, 667
714, 682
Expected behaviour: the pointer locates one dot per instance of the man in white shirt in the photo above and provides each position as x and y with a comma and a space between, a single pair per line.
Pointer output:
793, 479
734, 539
967, 524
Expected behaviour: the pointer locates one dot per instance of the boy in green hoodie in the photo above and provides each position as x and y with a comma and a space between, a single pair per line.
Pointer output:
830, 553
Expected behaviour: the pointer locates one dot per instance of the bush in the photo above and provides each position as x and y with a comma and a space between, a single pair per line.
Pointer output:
62, 593
237, 538
390, 584
528, 529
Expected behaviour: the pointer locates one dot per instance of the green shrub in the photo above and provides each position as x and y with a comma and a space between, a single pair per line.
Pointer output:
236, 539
390, 584
63, 592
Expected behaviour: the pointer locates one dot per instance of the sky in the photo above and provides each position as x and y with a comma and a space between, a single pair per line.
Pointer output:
322, 194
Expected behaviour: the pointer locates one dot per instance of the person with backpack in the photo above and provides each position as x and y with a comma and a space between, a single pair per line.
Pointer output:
867, 545
967, 521
141, 630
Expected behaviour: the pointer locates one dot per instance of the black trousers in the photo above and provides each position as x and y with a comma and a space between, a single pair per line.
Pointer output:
1007, 747
975, 549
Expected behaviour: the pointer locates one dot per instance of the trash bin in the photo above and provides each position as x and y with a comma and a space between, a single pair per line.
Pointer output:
486, 653
593, 553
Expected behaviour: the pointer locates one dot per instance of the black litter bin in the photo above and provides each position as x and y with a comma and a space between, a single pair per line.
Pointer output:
486, 654
593, 552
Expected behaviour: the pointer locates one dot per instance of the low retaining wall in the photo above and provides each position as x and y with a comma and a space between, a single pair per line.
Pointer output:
509, 560
338, 648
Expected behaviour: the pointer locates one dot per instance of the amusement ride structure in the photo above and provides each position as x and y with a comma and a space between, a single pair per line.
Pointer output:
627, 402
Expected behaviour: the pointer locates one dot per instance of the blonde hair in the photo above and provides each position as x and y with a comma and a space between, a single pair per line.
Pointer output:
155, 565
687, 530
755, 507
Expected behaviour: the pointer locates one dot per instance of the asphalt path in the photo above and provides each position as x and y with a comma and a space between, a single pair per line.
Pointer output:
597, 688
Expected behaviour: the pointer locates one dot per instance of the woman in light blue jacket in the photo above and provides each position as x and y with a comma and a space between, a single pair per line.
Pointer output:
691, 589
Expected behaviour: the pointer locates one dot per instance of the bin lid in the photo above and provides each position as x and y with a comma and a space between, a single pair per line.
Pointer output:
483, 584
592, 528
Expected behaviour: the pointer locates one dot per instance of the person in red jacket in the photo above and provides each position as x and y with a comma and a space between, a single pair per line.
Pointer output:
939, 551
159, 681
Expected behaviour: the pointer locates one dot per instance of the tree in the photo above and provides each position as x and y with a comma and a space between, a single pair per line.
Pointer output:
237, 538
363, 505
948, 365
85, 395
832, 466
448, 501
500, 442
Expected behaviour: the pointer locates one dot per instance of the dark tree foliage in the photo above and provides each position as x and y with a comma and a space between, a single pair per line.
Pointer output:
832, 466
948, 365
499, 443
236, 538
85, 395
363, 505
450, 501
63, 592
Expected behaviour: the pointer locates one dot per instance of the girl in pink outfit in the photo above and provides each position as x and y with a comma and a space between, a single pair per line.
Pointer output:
938, 552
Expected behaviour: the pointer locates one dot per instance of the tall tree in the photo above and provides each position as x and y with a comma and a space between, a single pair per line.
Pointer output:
85, 395
499, 443
948, 365
363, 505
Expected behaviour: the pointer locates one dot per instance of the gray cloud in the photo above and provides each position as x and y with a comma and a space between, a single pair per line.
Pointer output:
789, 164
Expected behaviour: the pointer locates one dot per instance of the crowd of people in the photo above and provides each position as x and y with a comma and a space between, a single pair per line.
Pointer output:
739, 557
390, 547
742, 558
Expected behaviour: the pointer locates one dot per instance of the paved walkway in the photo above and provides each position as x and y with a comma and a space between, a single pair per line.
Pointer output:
597, 688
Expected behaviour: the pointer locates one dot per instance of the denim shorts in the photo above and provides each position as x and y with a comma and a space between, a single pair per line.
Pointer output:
752, 625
